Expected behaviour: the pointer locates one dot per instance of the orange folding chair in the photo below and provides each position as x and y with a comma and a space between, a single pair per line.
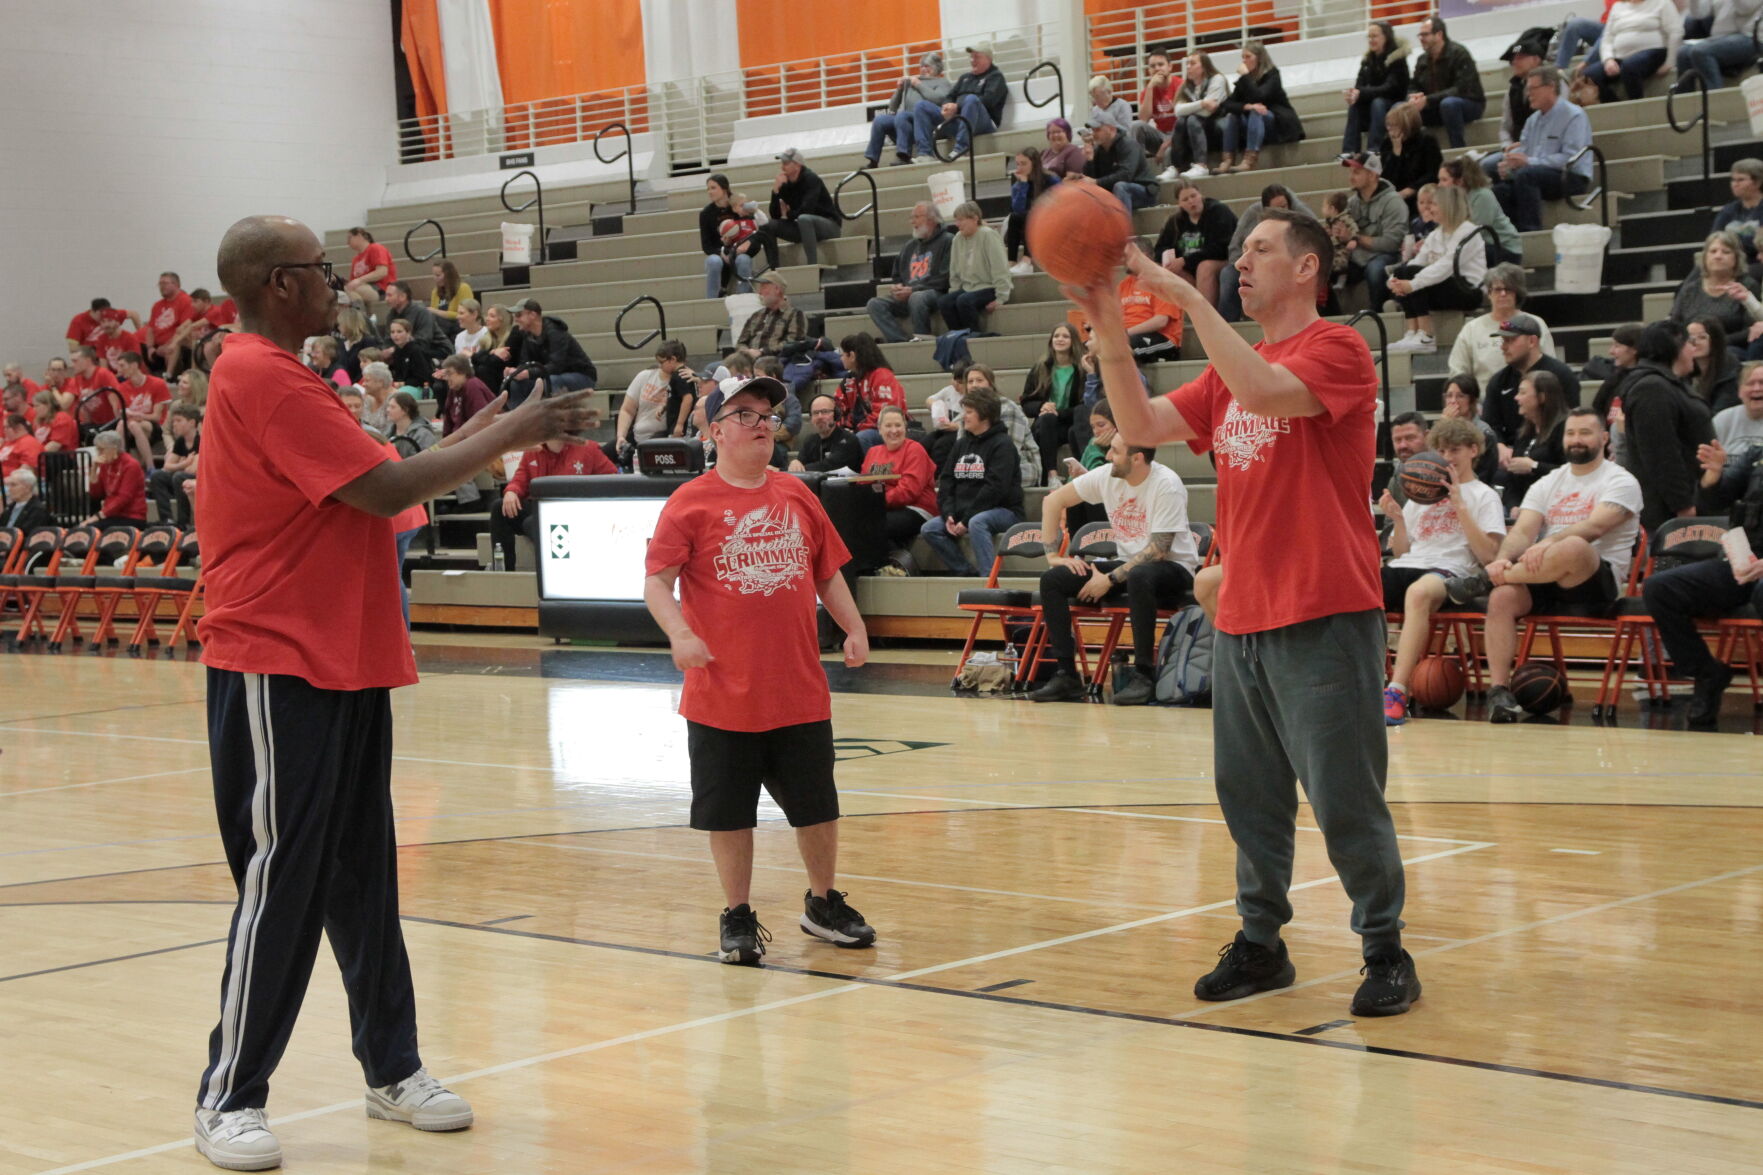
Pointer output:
46, 552
115, 544
1586, 619
1007, 605
189, 591
155, 544
150, 590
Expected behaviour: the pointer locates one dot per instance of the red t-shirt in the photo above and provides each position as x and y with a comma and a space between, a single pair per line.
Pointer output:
85, 327
1158, 106
61, 430
1293, 494
570, 461
146, 395
298, 583
371, 258
111, 347
749, 561
167, 315
100, 410
122, 487
19, 454
222, 314
1137, 304
918, 477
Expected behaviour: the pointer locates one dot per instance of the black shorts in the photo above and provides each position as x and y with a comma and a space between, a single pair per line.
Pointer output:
793, 763
1597, 592
1397, 581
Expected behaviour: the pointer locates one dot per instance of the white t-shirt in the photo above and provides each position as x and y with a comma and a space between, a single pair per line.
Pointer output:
649, 391
1733, 427
1159, 504
1436, 541
466, 341
1565, 499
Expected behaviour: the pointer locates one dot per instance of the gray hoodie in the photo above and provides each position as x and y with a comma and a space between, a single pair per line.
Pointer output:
1383, 218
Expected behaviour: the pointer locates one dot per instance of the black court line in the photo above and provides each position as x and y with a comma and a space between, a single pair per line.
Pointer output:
106, 710
1007, 983
1314, 1029
207, 942
510, 918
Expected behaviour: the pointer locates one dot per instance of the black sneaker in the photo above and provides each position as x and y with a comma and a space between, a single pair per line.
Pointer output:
1390, 986
1503, 705
1462, 589
831, 919
1245, 968
867, 163
1132, 688
1061, 687
901, 161
1710, 688
743, 939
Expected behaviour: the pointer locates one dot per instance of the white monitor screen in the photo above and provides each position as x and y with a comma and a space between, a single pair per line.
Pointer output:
593, 548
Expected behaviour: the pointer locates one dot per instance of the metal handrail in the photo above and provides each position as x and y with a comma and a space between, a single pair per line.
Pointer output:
1382, 359
972, 166
873, 208
630, 165
660, 331
1600, 193
439, 251
1701, 119
539, 199
1058, 77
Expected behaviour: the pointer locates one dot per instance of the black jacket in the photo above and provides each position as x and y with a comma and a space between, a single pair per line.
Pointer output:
808, 195
1417, 166
1549, 454
32, 516
710, 220
991, 87
1384, 77
1725, 392
554, 352
426, 331
839, 450
410, 365
1665, 423
1600, 367
1123, 161
1453, 75
1740, 490
1270, 92
1209, 240
1499, 405
1517, 110
1035, 394
980, 473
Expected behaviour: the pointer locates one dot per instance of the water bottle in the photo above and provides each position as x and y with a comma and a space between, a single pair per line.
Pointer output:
496, 557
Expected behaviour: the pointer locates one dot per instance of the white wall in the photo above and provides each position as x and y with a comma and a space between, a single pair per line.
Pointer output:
135, 131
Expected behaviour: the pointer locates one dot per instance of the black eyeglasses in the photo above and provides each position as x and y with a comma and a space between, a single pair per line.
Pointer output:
748, 418
330, 271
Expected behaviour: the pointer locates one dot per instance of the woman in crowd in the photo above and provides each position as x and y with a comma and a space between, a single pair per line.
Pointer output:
1665, 421
1715, 378
870, 386
410, 364
1062, 157
1538, 451
1103, 102
1484, 208
1052, 394
722, 228
979, 273
1640, 40
1258, 113
1195, 240
353, 337
322, 356
1382, 84
490, 361
1411, 157
192, 389
1439, 277
1477, 350
450, 290
1199, 107
1719, 288
1462, 401
1014, 420
1028, 180
912, 500
411, 432
473, 334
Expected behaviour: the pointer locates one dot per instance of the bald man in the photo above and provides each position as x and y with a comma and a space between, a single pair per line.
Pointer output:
303, 641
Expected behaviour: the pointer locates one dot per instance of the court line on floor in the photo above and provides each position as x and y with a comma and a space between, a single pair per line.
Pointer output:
188, 946
32, 791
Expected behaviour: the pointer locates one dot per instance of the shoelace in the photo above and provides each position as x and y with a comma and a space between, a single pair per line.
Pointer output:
751, 923
836, 906
233, 1125
1241, 951
419, 1088
1382, 968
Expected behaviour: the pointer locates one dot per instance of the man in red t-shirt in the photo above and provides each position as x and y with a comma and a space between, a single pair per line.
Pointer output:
96, 398
1298, 662
1155, 127
20, 449
116, 484
551, 459
164, 320
303, 644
146, 401
370, 269
113, 341
752, 549
84, 327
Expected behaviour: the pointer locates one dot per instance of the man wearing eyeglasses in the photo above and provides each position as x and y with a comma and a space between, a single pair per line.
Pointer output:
303, 641
752, 549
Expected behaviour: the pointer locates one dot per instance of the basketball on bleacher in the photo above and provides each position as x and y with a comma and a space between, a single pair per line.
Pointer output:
1539, 686
1426, 478
1077, 233
1437, 683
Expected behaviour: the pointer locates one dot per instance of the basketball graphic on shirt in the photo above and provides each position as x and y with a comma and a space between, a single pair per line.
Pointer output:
1571, 509
1437, 521
765, 552
1244, 436
1129, 522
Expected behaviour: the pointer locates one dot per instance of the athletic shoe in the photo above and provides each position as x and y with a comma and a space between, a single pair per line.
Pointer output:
238, 1140
922, 339
831, 919
743, 939
1245, 968
1710, 688
901, 161
1503, 705
1461, 589
1390, 986
421, 1101
1061, 687
1168, 175
1416, 342
1198, 171
1132, 688
1023, 268
868, 163
1395, 706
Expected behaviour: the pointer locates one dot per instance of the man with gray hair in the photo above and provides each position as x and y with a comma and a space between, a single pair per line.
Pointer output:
117, 484
24, 510
896, 121
377, 386
921, 276
1119, 163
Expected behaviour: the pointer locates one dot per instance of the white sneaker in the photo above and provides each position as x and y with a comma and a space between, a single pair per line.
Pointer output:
923, 339
1168, 174
1054, 481
1415, 343
421, 1101
1023, 268
237, 1140
1198, 171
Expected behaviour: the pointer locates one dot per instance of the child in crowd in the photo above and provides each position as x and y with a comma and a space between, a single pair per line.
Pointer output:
1342, 229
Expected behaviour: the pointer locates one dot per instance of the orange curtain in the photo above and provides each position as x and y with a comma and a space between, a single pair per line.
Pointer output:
783, 30
551, 50
421, 40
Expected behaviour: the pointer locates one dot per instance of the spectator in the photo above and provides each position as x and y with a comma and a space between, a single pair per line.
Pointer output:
1615, 370
1016, 423
1052, 394
1028, 181
1147, 507
1741, 426
1447, 272
1382, 84
192, 389
979, 275
166, 484
473, 335
322, 356
1742, 216
427, 329
147, 400
113, 342
1154, 326
117, 484
802, 210
1727, 48
490, 361
1407, 437
1539, 449
1411, 157
1640, 40
449, 292
723, 228
353, 400
96, 399
411, 366
222, 315
1199, 112
54, 429
370, 269
58, 378
410, 432
1521, 345
658, 403
1446, 86
1484, 208
1155, 125
1194, 244
912, 500
1570, 547
1524, 55
1714, 380
353, 337
1062, 157
466, 394
547, 352
979, 96
1118, 111
1718, 288
776, 325
1478, 350
1097, 435
377, 385
1382, 218
1343, 231
896, 121
518, 514
1462, 401
1258, 111
83, 329
16, 381
21, 449
921, 277
944, 406
1230, 306
23, 509
1550, 160
160, 335
1118, 163
979, 486
831, 446
1666, 424
1579, 32
1454, 536
869, 386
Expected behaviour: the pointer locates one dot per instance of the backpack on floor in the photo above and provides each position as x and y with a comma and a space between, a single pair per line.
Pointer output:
1184, 659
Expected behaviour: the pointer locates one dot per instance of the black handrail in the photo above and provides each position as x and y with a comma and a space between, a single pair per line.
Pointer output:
660, 332
630, 164
439, 251
1383, 361
1058, 77
873, 208
1701, 119
539, 199
972, 167
1600, 193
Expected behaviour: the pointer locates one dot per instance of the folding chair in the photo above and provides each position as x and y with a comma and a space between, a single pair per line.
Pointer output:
150, 590
114, 543
12, 555
1008, 605
46, 551
157, 544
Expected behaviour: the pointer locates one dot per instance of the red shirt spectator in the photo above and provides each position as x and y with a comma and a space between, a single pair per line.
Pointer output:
171, 311
114, 344
120, 487
917, 487
861, 398
85, 327
370, 257
467, 395
1157, 104
56, 428
19, 450
566, 461
222, 315
146, 398
88, 378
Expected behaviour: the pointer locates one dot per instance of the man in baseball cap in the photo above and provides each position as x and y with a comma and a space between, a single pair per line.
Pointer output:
1521, 343
978, 97
802, 210
1524, 54
1382, 217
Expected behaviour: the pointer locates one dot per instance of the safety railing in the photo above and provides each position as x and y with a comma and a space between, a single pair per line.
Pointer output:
538, 198
1600, 190
1695, 81
439, 250
1057, 97
1382, 357
521, 126
660, 331
630, 167
955, 151
873, 208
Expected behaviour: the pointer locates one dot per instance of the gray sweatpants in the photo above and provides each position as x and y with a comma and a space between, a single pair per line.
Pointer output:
1304, 703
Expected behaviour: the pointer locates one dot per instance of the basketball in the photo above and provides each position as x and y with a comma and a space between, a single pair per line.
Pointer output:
1077, 232
1426, 478
1540, 687
1437, 683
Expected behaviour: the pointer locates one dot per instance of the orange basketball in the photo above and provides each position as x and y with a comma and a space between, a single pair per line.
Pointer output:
1438, 683
1077, 232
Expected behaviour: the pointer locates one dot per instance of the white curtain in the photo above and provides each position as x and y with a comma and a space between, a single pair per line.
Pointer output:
474, 83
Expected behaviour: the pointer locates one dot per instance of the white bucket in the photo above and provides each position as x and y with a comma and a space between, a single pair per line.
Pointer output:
1579, 257
1752, 88
517, 243
740, 308
948, 190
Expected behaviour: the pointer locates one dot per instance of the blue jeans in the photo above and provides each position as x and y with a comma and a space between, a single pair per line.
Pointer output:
869, 438
1522, 193
982, 530
1636, 69
404, 538
1194, 127
1578, 32
1377, 280
565, 381
962, 311
886, 314
897, 127
928, 116
1713, 57
1135, 196
1365, 122
1453, 114
714, 266
1249, 129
